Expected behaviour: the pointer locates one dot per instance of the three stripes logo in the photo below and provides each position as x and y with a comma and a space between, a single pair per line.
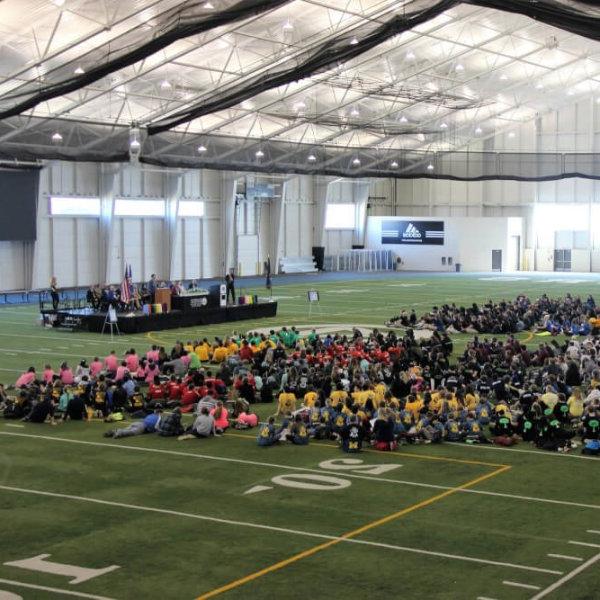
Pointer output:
411, 232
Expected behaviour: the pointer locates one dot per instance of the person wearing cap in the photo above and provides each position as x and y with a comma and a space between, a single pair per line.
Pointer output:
148, 424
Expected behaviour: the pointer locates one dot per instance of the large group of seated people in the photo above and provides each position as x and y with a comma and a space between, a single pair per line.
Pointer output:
569, 316
380, 389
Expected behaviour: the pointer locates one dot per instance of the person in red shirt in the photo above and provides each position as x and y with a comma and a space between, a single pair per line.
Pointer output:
174, 388
246, 351
155, 390
189, 397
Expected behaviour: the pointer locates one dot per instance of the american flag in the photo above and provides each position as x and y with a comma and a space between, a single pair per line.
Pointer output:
126, 285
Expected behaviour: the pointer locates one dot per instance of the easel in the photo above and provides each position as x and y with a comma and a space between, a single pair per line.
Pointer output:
112, 321
313, 300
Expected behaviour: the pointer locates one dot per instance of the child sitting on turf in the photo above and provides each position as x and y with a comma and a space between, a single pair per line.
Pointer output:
268, 434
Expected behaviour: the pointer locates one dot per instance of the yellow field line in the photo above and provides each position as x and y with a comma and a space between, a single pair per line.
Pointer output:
351, 534
403, 454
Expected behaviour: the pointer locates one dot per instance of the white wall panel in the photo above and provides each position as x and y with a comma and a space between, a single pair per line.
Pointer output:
13, 270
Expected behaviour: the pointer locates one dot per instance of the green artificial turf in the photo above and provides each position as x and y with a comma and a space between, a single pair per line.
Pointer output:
176, 519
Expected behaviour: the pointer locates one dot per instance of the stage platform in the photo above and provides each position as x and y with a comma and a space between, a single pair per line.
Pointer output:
87, 320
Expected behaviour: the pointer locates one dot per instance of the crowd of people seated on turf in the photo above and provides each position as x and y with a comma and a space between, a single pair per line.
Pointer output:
383, 389
569, 315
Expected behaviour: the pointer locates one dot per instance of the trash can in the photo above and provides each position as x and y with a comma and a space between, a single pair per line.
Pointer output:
457, 267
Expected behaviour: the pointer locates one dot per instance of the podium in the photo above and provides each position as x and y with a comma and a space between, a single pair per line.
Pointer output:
163, 296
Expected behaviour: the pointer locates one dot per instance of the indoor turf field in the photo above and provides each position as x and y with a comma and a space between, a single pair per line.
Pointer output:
225, 518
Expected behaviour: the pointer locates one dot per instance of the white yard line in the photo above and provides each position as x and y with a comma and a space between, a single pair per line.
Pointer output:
593, 531
277, 529
14, 425
567, 577
12, 370
526, 586
575, 543
485, 598
43, 588
49, 339
536, 452
293, 468
565, 557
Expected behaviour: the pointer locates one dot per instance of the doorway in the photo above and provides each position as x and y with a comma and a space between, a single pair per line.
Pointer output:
496, 260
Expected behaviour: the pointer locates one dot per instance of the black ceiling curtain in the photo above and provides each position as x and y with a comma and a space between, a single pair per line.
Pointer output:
187, 19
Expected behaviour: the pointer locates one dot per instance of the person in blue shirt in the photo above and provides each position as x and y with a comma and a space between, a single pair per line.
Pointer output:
147, 425
267, 434
454, 431
352, 435
298, 432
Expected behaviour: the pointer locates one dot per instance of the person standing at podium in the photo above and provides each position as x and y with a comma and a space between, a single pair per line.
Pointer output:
152, 287
54, 293
230, 285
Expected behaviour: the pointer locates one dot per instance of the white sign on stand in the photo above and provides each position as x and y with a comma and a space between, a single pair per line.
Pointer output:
223, 295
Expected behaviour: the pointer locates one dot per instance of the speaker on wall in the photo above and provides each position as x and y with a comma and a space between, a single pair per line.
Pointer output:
318, 253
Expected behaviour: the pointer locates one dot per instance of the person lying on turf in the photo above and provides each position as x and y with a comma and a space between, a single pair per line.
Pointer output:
146, 425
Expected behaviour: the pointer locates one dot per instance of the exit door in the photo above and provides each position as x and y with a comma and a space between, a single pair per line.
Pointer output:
496, 260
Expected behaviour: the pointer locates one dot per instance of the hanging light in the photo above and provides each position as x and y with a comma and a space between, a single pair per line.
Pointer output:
57, 138
459, 68
394, 164
354, 41
311, 158
201, 149
165, 85
430, 167
355, 112
410, 55
208, 5
511, 134
403, 119
259, 154
135, 145
444, 126
478, 130
288, 26
79, 71
356, 162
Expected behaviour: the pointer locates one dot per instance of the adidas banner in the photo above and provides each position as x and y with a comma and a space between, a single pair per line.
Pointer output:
412, 232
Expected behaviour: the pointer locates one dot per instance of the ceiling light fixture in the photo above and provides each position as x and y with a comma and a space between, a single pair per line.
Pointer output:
394, 164
58, 3
430, 167
201, 148
354, 41
311, 158
57, 138
444, 126
503, 77
165, 85
135, 145
478, 130
459, 68
511, 134
539, 86
410, 55
79, 71
288, 26
403, 119
247, 105
259, 154
355, 112
208, 5
300, 105
356, 162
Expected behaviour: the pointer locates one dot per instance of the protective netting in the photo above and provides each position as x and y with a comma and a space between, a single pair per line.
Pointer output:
576, 17
190, 17
100, 143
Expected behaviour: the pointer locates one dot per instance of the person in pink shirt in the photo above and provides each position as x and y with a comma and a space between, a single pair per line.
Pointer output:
121, 371
26, 378
152, 371
185, 359
153, 354
111, 362
132, 361
246, 420
95, 367
48, 374
66, 375
220, 415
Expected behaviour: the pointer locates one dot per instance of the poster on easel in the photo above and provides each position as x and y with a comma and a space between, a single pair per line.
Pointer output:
112, 314
312, 296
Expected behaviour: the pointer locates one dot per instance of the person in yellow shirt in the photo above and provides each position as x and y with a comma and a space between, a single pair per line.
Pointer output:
188, 347
379, 390
436, 404
575, 403
414, 405
286, 403
231, 346
202, 350
310, 398
220, 354
339, 395
471, 399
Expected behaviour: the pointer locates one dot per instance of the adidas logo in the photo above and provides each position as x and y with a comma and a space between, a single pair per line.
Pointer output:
411, 232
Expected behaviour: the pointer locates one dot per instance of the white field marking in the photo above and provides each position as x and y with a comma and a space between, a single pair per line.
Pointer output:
291, 468
348, 291
593, 531
567, 577
526, 586
43, 588
48, 339
536, 452
565, 557
584, 544
12, 370
503, 278
484, 598
567, 281
13, 425
278, 529
78, 574
404, 285
257, 488
11, 351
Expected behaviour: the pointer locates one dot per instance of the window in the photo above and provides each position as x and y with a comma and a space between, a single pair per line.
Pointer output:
340, 216
74, 207
139, 208
191, 209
